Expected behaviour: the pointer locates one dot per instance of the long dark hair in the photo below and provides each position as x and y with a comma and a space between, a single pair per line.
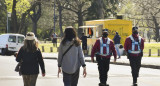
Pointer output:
30, 45
69, 35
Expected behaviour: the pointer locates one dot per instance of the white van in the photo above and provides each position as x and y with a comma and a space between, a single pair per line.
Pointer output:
10, 43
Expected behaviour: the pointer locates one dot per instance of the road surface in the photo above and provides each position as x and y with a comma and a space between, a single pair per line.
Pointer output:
119, 75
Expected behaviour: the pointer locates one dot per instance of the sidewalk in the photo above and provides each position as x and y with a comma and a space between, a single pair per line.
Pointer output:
148, 62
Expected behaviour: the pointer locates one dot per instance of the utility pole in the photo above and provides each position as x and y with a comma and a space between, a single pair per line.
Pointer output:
54, 17
8, 21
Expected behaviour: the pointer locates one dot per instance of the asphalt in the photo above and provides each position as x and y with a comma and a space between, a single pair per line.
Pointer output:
147, 62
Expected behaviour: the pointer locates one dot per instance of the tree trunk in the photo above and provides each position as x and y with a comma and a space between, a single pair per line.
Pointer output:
80, 23
100, 9
35, 28
35, 17
156, 28
14, 18
22, 22
80, 19
25, 30
60, 19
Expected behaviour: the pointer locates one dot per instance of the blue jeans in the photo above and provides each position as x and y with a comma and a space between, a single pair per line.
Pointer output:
117, 49
71, 79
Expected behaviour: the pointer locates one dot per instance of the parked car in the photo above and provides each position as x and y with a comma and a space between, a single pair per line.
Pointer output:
10, 43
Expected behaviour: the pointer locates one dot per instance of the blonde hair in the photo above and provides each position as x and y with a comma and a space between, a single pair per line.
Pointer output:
30, 45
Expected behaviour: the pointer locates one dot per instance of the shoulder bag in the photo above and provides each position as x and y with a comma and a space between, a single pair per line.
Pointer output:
67, 51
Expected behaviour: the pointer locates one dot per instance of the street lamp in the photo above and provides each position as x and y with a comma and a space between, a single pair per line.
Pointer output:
8, 23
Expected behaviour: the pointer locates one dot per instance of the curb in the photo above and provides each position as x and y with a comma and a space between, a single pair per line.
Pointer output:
117, 63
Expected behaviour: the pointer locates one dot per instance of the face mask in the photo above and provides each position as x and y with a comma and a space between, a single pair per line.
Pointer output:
105, 35
135, 32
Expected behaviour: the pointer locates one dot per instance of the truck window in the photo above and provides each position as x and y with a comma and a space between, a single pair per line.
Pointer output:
12, 39
20, 39
90, 32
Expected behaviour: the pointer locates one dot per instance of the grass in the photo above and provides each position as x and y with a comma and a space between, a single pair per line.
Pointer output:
47, 47
153, 46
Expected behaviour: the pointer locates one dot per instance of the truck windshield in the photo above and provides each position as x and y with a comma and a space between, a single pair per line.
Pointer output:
12, 39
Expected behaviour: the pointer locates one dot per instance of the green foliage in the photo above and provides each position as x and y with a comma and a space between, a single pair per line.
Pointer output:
3, 16
92, 11
109, 7
9, 4
21, 6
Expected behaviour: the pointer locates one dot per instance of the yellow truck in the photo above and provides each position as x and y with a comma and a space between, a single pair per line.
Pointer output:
93, 29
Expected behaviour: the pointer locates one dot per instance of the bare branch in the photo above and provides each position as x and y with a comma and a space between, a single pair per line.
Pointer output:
69, 9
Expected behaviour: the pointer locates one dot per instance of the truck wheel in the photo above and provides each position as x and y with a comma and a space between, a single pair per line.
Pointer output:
3, 52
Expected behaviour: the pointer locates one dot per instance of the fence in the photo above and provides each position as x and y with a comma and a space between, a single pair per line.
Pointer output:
150, 52
51, 49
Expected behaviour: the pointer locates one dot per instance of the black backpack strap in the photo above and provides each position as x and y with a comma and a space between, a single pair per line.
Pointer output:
67, 50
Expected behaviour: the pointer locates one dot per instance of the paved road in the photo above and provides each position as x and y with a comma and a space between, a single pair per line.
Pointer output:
118, 75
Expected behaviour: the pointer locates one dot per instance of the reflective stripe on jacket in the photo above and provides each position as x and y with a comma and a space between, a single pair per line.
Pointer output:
96, 48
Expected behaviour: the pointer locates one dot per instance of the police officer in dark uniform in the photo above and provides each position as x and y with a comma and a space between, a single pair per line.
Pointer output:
84, 43
134, 46
104, 47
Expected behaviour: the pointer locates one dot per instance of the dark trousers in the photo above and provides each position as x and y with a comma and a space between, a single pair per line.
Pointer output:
54, 44
30, 80
71, 79
54, 41
84, 46
135, 63
103, 68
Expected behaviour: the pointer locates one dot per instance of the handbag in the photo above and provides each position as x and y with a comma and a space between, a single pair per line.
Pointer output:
18, 68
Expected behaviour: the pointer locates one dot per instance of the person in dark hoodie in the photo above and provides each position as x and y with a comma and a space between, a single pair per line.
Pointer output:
116, 40
30, 57
84, 43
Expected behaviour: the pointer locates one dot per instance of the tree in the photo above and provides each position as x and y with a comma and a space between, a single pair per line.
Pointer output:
101, 9
3, 16
35, 15
14, 24
23, 9
60, 9
80, 8
151, 12
19, 11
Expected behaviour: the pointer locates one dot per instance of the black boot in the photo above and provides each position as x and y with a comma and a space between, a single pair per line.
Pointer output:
101, 84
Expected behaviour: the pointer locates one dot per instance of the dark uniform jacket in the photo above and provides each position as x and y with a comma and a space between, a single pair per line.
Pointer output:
128, 45
96, 48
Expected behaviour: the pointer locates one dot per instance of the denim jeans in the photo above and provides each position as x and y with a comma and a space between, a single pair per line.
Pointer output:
71, 79
117, 49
